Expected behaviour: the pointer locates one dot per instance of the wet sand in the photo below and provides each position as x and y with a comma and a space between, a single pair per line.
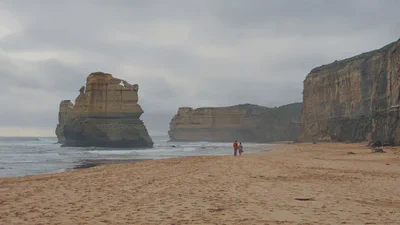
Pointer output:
296, 184
85, 164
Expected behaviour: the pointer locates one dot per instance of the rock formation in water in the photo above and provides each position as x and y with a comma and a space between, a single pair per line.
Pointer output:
245, 123
355, 99
106, 113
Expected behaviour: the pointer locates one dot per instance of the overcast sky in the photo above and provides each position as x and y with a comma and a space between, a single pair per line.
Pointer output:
181, 53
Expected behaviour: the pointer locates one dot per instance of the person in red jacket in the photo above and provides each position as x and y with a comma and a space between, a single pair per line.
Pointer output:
235, 148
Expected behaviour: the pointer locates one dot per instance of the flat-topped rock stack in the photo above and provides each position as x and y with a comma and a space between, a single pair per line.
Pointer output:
245, 123
106, 113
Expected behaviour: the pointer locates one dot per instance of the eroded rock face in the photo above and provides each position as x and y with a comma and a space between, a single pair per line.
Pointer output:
106, 113
355, 99
245, 123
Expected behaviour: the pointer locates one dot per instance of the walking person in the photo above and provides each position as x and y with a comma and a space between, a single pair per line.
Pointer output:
235, 148
240, 149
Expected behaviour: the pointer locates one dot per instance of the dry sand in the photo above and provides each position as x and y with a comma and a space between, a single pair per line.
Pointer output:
253, 189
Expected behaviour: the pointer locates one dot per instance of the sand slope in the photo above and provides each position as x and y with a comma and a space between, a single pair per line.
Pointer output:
255, 189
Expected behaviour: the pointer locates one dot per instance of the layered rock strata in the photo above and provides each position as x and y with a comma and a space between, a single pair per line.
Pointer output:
106, 113
355, 99
245, 123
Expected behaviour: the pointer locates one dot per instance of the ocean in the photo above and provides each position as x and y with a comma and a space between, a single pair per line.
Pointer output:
21, 156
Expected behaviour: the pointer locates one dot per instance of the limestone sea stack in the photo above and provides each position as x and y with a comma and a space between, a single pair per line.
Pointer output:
355, 99
106, 114
244, 123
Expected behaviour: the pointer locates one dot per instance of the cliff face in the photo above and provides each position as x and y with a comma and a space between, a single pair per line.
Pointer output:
355, 99
106, 113
245, 123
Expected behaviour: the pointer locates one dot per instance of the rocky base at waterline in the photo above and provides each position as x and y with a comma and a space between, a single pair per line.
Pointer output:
105, 114
356, 99
245, 123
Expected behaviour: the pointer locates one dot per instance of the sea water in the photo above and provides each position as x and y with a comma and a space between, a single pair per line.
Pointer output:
20, 156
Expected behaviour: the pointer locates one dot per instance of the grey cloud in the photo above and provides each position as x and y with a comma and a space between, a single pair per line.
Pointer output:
11, 75
317, 16
18, 117
49, 75
31, 94
225, 52
395, 30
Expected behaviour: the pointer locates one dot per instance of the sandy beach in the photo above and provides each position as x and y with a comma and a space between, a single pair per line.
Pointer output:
294, 184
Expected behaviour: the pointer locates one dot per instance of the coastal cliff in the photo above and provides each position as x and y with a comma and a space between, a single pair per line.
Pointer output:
355, 99
106, 113
244, 123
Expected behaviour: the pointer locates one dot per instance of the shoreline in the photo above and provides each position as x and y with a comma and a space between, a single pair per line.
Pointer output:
90, 163
295, 183
86, 164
